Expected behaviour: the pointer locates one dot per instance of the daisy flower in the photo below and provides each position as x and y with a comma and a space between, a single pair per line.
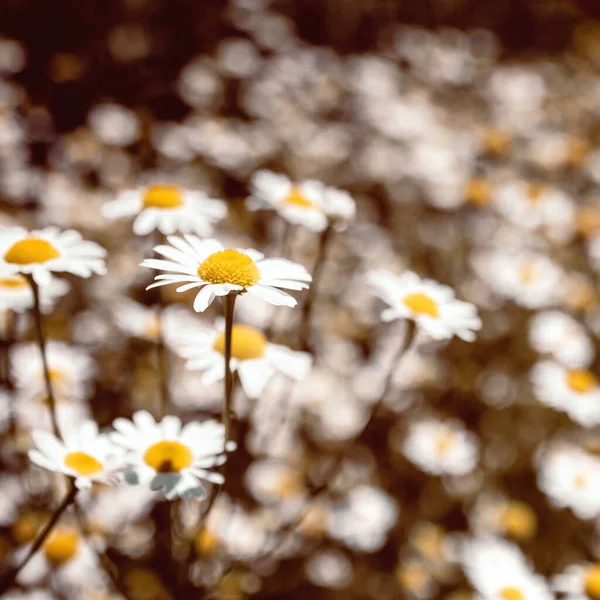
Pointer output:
557, 333
206, 264
16, 293
310, 203
167, 208
494, 514
570, 477
499, 571
169, 456
431, 305
441, 447
40, 253
273, 482
579, 582
254, 358
573, 391
85, 454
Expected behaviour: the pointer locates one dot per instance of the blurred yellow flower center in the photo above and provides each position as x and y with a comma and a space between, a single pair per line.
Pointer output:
581, 381
444, 442
27, 525
82, 463
62, 546
519, 521
163, 196
430, 541
422, 304
56, 375
168, 457
580, 481
206, 543
289, 485
496, 141
13, 282
247, 343
528, 271
31, 251
229, 266
511, 593
412, 577
592, 582
297, 198
479, 191
535, 191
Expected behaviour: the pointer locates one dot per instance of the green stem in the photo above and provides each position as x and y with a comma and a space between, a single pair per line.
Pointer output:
42, 342
163, 367
228, 308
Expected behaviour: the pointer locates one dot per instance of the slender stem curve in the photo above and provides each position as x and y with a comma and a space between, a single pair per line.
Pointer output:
228, 308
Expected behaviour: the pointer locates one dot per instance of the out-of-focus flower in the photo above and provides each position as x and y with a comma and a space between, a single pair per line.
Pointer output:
309, 203
274, 482
168, 209
330, 569
431, 305
85, 454
559, 334
573, 391
167, 455
39, 253
363, 518
415, 578
496, 515
206, 264
570, 477
254, 358
498, 569
16, 293
114, 125
579, 582
529, 278
441, 447
12, 56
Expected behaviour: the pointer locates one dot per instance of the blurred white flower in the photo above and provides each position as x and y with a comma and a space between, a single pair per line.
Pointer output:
441, 447
16, 293
431, 305
168, 209
274, 482
114, 125
39, 253
330, 569
579, 581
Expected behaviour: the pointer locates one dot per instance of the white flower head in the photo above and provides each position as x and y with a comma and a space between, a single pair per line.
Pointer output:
206, 264
579, 582
310, 203
167, 208
254, 358
431, 305
85, 454
557, 333
114, 124
273, 481
573, 391
570, 477
170, 456
16, 293
40, 253
441, 447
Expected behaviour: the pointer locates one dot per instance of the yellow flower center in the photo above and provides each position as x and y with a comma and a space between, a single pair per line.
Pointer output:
592, 582
528, 271
519, 521
412, 577
83, 463
206, 543
13, 282
580, 481
62, 546
247, 343
162, 196
511, 593
429, 540
152, 327
535, 191
445, 442
479, 191
27, 525
581, 381
588, 220
168, 456
229, 266
422, 304
297, 198
31, 251
496, 141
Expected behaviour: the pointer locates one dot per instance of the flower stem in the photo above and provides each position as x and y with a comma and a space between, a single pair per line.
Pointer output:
228, 308
10, 577
163, 366
311, 295
42, 342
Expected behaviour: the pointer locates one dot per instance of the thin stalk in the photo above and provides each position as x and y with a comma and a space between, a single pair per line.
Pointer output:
228, 308
163, 367
311, 295
11, 576
42, 342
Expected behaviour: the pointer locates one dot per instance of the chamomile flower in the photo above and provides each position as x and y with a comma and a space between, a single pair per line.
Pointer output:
16, 293
254, 358
557, 333
274, 482
169, 456
85, 454
441, 447
497, 515
70, 371
40, 253
167, 208
498, 570
579, 582
310, 203
206, 264
570, 477
431, 305
573, 391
